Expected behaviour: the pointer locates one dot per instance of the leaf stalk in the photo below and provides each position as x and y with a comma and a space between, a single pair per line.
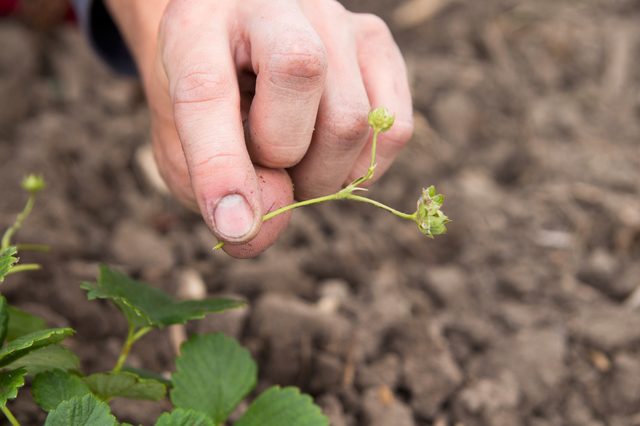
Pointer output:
9, 415
22, 216
23, 268
133, 336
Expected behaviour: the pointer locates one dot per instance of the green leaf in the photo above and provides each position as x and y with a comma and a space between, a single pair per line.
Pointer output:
31, 342
7, 260
283, 406
147, 306
4, 318
47, 358
213, 374
81, 411
21, 323
10, 382
146, 374
125, 385
180, 417
51, 388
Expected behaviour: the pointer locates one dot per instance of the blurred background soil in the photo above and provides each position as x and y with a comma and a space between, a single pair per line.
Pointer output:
526, 313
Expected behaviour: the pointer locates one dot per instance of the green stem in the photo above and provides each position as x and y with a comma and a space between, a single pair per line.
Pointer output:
374, 145
284, 209
23, 268
6, 238
372, 166
398, 213
9, 415
33, 247
132, 337
341, 195
140, 333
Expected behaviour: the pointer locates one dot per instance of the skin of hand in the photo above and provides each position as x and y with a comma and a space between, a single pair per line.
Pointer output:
250, 99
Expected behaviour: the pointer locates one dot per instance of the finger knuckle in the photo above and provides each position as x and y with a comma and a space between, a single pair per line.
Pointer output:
279, 156
335, 6
274, 150
302, 65
349, 124
202, 165
374, 26
198, 86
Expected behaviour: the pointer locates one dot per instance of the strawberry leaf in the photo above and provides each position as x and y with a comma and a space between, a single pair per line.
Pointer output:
10, 382
147, 374
180, 417
147, 306
48, 358
213, 374
31, 342
4, 319
51, 388
21, 323
7, 260
81, 411
283, 406
125, 385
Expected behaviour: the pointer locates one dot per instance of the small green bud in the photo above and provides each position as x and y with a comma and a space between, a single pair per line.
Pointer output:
380, 119
33, 184
430, 219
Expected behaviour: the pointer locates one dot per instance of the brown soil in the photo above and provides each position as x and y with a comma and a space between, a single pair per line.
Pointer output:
526, 313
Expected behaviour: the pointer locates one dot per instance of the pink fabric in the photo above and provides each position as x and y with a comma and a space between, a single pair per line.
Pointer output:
8, 6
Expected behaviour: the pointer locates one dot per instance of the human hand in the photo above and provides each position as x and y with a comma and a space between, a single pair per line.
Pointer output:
318, 68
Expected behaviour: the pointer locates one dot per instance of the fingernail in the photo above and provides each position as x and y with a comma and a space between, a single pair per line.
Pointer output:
233, 217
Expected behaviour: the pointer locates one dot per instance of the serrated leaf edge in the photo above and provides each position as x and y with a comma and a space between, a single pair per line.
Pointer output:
11, 259
71, 401
138, 380
304, 398
63, 331
179, 368
21, 372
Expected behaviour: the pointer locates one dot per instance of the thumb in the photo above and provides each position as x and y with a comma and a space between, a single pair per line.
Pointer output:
206, 108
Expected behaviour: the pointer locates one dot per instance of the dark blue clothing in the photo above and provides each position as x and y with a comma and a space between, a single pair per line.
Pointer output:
105, 37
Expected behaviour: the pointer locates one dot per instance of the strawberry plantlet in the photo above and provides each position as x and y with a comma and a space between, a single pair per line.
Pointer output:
429, 217
26, 344
213, 374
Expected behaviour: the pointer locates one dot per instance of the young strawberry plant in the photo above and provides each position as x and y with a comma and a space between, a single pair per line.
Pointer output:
27, 345
213, 373
429, 217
